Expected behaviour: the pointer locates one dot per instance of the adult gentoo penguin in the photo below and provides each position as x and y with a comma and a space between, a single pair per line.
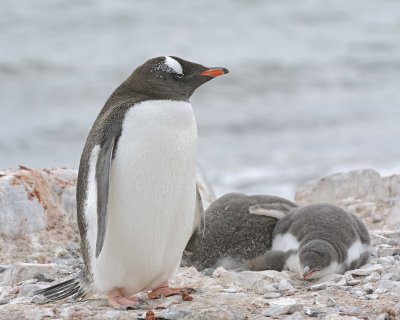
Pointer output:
314, 240
136, 191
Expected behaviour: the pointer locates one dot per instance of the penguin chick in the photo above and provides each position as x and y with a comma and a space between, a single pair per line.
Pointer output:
233, 235
313, 241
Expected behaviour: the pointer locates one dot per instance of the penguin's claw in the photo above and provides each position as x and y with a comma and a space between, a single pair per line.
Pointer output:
118, 301
167, 291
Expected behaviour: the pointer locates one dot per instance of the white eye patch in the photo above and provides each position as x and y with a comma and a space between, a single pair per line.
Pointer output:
174, 65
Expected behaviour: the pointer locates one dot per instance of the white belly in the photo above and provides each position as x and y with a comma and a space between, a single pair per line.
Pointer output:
152, 198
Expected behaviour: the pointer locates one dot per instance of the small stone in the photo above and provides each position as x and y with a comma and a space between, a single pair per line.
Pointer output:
315, 312
391, 276
4, 301
260, 287
368, 288
295, 316
330, 302
353, 282
208, 272
173, 314
281, 310
4, 267
38, 299
272, 295
230, 290
373, 296
387, 260
396, 309
284, 285
357, 292
366, 270
375, 276
318, 287
376, 217
389, 251
383, 316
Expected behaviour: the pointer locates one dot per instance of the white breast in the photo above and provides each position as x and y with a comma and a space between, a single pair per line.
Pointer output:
285, 242
152, 198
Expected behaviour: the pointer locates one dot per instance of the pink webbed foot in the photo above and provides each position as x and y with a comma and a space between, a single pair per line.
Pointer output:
165, 291
117, 300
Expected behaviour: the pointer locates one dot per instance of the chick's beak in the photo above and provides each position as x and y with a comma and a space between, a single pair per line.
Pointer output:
214, 72
307, 273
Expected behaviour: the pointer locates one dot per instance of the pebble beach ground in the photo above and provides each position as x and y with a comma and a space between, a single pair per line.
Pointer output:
39, 244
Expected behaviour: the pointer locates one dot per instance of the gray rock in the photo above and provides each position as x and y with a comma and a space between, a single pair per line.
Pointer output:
25, 271
330, 303
284, 285
375, 276
372, 296
208, 271
272, 295
391, 276
396, 309
353, 282
318, 287
366, 270
316, 312
383, 316
38, 299
281, 310
261, 287
295, 316
173, 314
357, 292
383, 252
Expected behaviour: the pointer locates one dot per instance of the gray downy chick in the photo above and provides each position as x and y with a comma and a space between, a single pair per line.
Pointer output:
313, 241
233, 235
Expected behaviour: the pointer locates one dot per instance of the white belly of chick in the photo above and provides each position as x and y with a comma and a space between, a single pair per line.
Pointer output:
152, 198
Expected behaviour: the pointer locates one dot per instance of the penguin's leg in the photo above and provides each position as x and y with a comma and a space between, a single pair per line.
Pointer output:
117, 300
165, 290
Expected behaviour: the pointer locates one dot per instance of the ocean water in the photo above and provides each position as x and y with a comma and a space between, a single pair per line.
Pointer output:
314, 86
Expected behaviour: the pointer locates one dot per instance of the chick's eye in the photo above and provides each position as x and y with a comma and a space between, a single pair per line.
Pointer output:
179, 75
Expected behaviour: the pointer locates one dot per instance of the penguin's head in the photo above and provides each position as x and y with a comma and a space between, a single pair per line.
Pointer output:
170, 78
316, 259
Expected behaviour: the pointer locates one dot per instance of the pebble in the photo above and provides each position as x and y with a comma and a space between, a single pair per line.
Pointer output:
366, 270
330, 302
260, 287
375, 276
376, 217
230, 290
353, 282
357, 292
316, 312
281, 310
391, 276
38, 299
208, 271
284, 285
173, 314
318, 287
272, 295
389, 251
372, 296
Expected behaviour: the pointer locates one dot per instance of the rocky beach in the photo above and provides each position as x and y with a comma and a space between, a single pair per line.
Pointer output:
39, 244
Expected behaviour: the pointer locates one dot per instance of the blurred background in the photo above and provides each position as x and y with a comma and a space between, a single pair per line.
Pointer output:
314, 86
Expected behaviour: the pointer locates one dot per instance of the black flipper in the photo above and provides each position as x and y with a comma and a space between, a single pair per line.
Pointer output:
103, 169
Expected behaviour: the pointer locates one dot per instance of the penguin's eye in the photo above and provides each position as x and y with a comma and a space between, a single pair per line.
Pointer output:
179, 75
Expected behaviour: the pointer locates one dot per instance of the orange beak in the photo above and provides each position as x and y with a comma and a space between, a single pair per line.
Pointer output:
214, 72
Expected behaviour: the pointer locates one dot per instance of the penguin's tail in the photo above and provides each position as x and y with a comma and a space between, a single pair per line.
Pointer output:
75, 288
277, 210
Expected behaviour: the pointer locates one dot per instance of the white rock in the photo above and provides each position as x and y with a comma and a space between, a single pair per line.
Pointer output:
366, 270
284, 285
281, 310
